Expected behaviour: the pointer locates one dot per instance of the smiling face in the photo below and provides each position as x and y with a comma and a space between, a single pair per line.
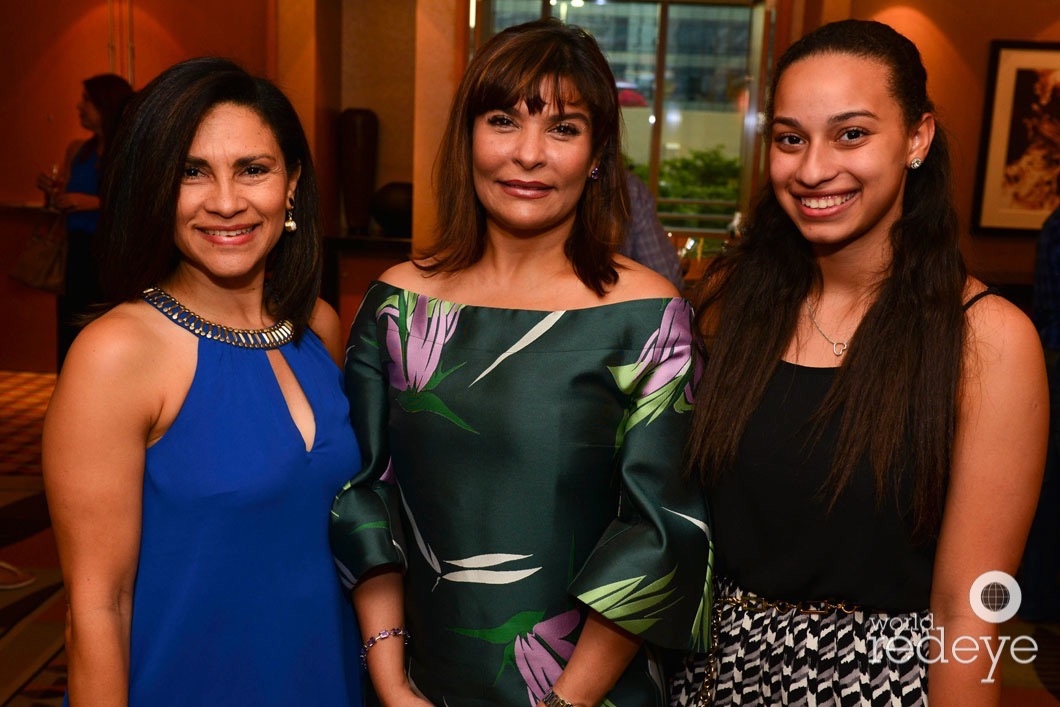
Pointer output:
840, 149
233, 197
530, 169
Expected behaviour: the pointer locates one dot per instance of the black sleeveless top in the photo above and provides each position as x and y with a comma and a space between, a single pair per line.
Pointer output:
773, 531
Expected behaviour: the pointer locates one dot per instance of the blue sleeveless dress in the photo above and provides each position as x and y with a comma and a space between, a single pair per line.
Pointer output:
83, 179
236, 598
81, 277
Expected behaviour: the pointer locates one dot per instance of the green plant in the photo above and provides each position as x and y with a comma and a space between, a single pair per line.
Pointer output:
702, 175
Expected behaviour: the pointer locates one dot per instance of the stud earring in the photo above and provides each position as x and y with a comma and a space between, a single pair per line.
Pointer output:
595, 174
289, 225
915, 163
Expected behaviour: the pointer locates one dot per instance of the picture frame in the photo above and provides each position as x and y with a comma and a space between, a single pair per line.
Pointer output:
1018, 173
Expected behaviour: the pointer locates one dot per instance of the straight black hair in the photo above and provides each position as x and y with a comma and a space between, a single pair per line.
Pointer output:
142, 176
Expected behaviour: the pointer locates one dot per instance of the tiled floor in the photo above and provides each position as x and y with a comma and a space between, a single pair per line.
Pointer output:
23, 398
32, 662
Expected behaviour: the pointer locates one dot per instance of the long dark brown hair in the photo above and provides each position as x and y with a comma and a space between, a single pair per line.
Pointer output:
527, 63
896, 393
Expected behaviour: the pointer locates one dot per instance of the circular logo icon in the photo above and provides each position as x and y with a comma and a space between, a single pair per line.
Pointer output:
995, 596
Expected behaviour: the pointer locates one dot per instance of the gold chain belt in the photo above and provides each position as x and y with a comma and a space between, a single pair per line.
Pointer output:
749, 601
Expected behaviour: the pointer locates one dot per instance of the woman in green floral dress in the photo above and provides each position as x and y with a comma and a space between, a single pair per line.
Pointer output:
520, 533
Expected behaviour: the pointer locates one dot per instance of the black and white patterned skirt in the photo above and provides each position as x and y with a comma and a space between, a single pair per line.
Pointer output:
769, 656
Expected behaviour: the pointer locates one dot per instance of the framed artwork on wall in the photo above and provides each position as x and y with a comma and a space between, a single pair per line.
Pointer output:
1018, 176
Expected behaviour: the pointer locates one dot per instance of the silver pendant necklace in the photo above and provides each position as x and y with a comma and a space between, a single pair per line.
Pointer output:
838, 347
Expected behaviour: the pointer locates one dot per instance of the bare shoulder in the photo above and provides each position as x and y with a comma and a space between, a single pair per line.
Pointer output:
130, 359
120, 341
409, 276
325, 323
997, 328
404, 275
636, 281
1004, 364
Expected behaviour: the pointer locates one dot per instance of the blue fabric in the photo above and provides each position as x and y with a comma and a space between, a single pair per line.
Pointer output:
84, 179
236, 598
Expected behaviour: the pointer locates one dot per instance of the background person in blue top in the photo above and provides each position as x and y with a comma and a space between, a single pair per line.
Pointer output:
199, 429
74, 191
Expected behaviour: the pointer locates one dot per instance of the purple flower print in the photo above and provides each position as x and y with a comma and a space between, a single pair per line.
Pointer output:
662, 375
388, 475
414, 339
667, 353
541, 654
417, 329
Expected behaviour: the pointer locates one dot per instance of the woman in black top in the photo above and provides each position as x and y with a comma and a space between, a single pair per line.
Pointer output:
871, 443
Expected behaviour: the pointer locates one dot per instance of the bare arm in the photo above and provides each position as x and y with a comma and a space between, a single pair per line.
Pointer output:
999, 455
93, 456
379, 601
602, 654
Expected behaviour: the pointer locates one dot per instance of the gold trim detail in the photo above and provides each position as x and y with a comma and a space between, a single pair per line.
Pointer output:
273, 337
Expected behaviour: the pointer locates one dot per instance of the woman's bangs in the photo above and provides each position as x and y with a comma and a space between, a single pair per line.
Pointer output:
542, 83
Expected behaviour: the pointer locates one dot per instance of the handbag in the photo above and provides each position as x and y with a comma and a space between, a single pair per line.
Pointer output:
42, 262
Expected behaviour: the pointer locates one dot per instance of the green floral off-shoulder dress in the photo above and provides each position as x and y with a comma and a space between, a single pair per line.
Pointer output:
523, 466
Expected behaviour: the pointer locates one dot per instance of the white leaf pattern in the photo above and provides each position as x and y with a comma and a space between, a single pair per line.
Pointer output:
490, 560
489, 576
702, 525
474, 575
528, 338
425, 549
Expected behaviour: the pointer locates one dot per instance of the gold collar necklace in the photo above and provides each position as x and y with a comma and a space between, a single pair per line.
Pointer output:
272, 337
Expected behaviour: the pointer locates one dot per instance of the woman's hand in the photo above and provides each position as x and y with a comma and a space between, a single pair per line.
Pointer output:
602, 654
49, 183
379, 601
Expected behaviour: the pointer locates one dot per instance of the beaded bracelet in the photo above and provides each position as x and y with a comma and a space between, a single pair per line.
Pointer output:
379, 637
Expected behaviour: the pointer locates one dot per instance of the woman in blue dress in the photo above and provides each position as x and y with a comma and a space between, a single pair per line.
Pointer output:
198, 429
